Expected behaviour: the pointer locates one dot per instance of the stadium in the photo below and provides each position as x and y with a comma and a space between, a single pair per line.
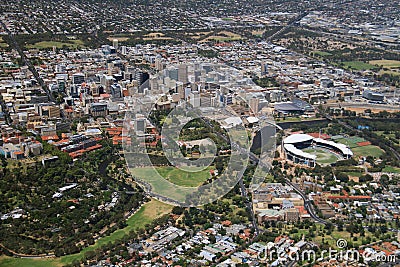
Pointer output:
308, 150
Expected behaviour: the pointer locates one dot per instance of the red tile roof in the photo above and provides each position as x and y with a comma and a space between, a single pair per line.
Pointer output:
50, 137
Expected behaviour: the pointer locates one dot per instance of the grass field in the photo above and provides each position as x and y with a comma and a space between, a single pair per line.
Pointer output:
331, 239
386, 63
175, 175
391, 169
323, 157
382, 133
342, 235
358, 65
355, 174
196, 35
179, 177
17, 262
223, 36
172, 182
49, 44
321, 53
396, 73
2, 43
145, 215
365, 151
257, 33
350, 141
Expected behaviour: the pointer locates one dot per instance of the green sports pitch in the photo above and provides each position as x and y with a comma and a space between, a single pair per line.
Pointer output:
324, 157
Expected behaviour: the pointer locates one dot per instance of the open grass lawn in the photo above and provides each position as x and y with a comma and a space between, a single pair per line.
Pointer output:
170, 181
386, 63
332, 238
145, 215
323, 157
223, 39
350, 141
179, 177
119, 38
2, 43
382, 133
358, 65
321, 53
49, 44
365, 151
196, 35
258, 33
391, 169
174, 175
342, 235
18, 262
223, 36
355, 174
395, 73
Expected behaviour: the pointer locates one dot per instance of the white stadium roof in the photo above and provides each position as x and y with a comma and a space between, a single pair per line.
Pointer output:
297, 138
290, 141
292, 149
345, 150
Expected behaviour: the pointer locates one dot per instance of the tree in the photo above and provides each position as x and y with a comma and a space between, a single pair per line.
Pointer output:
344, 178
177, 210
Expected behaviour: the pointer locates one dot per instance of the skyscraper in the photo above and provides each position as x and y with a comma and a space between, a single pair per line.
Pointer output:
264, 69
183, 73
78, 78
173, 74
254, 104
115, 44
123, 50
194, 99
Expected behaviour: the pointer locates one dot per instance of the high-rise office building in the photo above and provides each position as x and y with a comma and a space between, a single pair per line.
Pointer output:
183, 73
141, 77
116, 91
194, 99
173, 74
123, 50
98, 109
78, 78
264, 69
159, 64
115, 43
254, 104
180, 89
140, 124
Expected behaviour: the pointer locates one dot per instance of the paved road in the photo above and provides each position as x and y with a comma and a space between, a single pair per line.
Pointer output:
27, 62
307, 203
248, 203
290, 24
